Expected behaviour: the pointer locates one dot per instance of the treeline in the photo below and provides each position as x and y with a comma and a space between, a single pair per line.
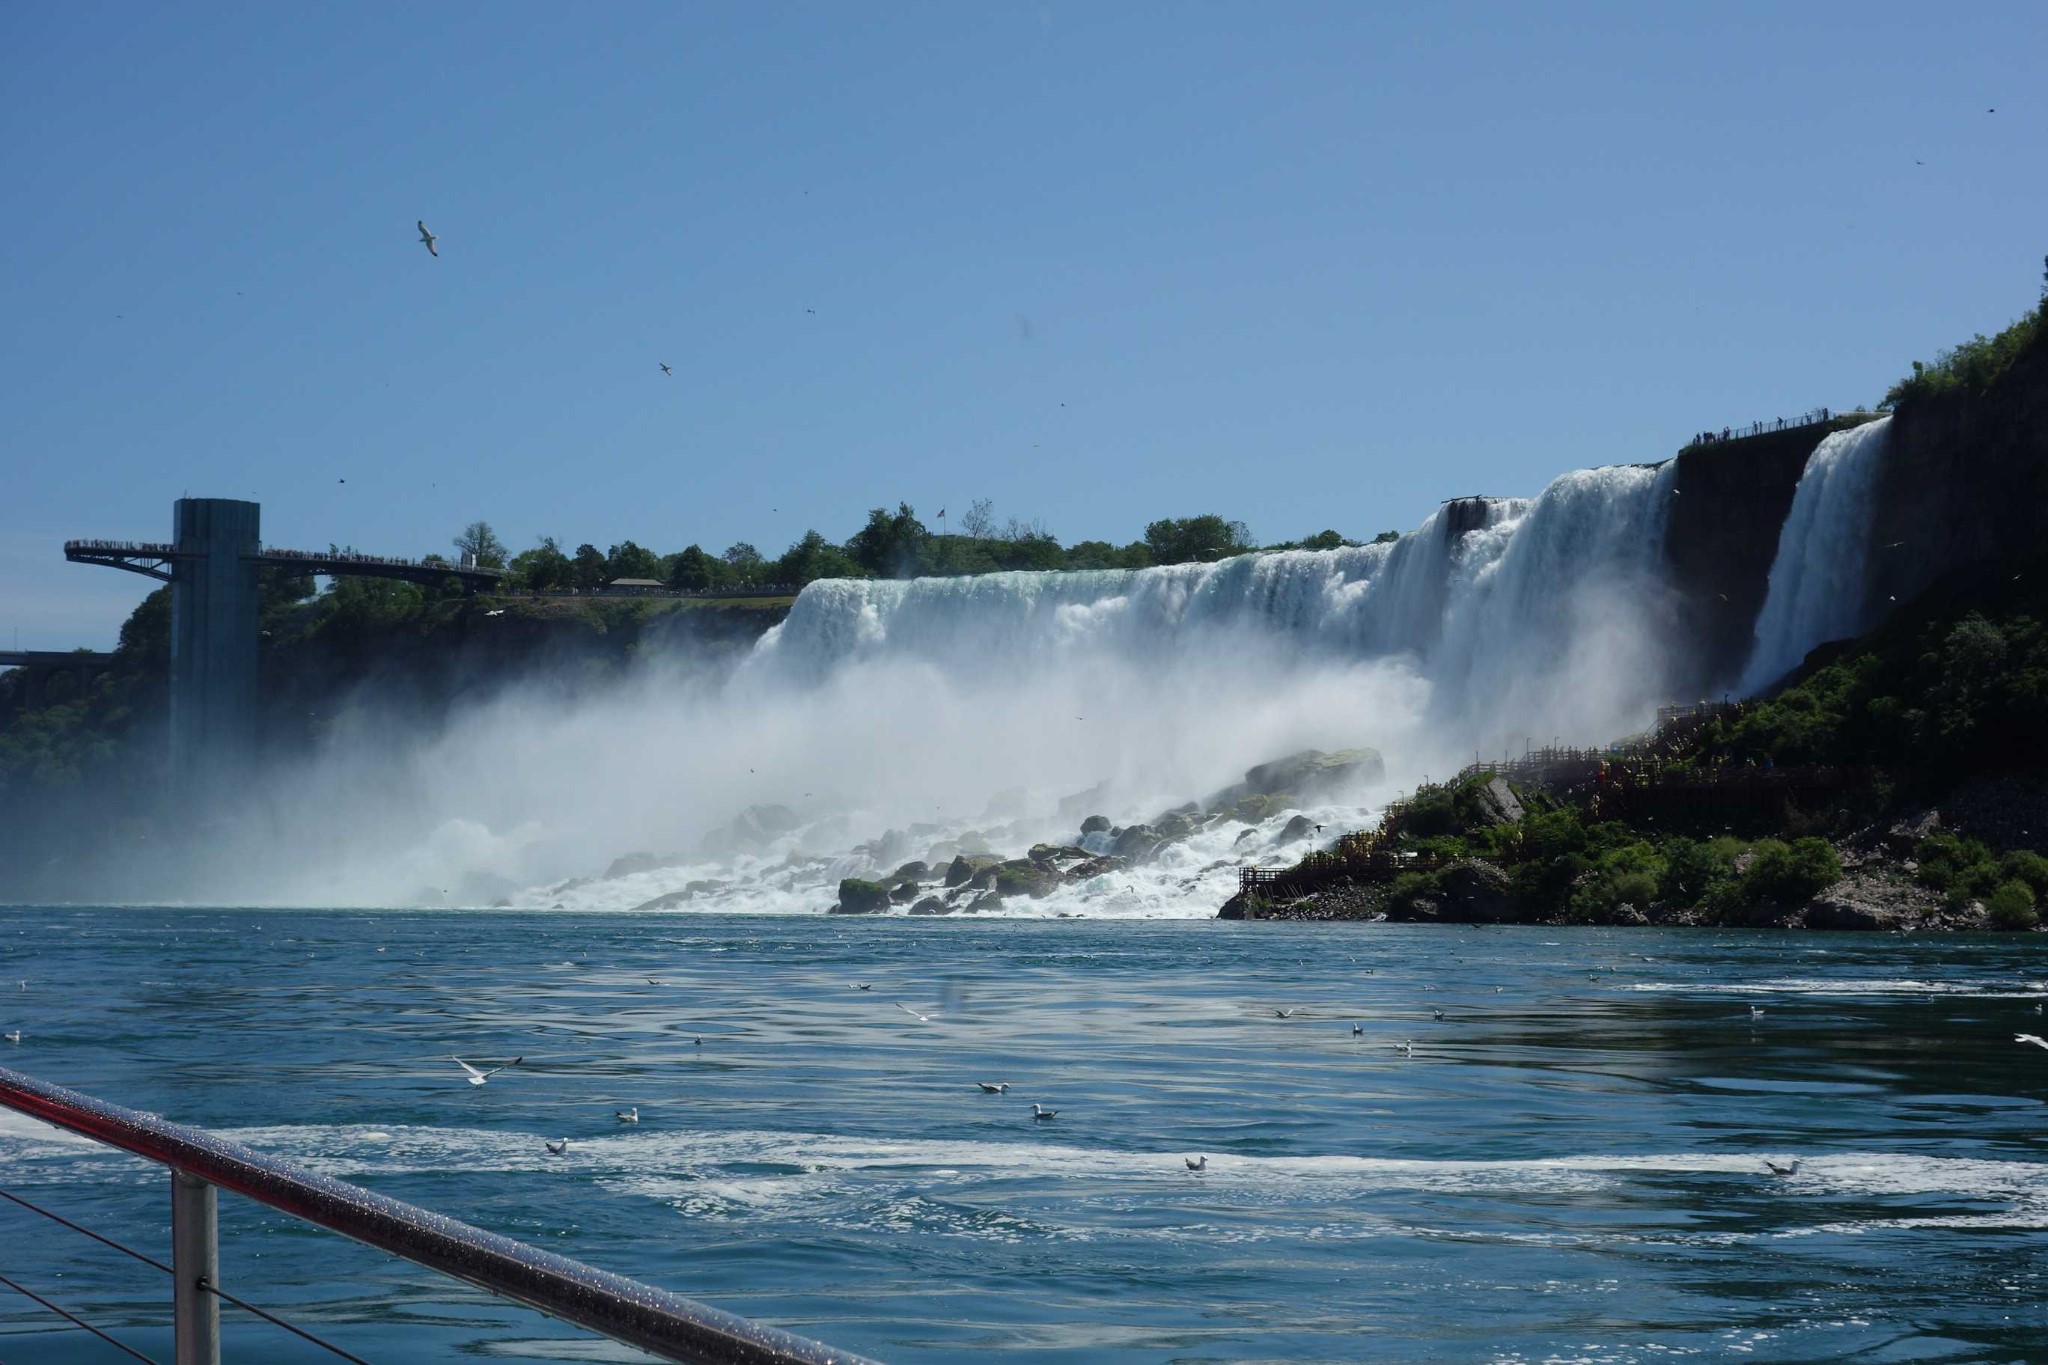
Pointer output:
891, 545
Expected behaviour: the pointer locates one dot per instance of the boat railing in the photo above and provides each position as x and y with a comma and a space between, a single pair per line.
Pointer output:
663, 1324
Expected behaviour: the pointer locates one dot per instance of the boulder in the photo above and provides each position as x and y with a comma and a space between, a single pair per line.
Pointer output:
913, 872
1096, 867
1024, 877
1174, 826
962, 869
1313, 772
751, 830
626, 864
1095, 824
1259, 807
857, 897
1136, 842
1476, 892
903, 892
1243, 835
931, 905
1053, 853
1834, 912
1495, 803
1297, 829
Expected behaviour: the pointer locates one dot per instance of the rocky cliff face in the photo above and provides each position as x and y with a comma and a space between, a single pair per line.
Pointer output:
1965, 481
1719, 544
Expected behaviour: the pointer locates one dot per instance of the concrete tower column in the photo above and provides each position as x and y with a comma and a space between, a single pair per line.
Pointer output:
213, 648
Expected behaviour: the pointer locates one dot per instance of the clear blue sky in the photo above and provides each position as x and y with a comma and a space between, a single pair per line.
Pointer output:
1307, 265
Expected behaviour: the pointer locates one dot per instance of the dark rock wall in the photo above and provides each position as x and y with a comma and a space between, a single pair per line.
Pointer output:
1719, 544
1965, 481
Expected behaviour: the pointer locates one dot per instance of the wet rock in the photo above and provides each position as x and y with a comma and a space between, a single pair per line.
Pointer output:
1296, 830
903, 892
1831, 912
1095, 824
1243, 835
931, 905
962, 869
857, 897
1023, 877
1173, 827
1055, 853
751, 830
913, 872
1096, 867
1313, 772
1136, 842
627, 864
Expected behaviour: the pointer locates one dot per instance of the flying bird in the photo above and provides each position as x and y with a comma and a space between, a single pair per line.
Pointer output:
627, 1115
1041, 1113
1197, 1163
428, 239
479, 1077
666, 370
921, 1018
1776, 1169
2036, 1039
557, 1147
499, 612
1284, 1014
993, 1087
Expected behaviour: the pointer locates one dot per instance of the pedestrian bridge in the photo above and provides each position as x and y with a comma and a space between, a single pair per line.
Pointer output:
157, 559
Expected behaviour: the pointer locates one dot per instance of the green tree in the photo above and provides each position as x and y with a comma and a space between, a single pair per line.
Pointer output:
745, 562
813, 557
628, 560
890, 546
480, 544
544, 568
588, 570
694, 571
1323, 540
1196, 540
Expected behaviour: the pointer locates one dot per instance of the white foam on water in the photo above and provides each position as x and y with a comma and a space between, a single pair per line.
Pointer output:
2012, 989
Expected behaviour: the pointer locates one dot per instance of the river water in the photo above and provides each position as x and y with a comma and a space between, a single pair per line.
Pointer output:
1569, 1167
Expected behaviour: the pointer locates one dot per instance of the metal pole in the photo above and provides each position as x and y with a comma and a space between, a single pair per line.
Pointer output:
195, 1256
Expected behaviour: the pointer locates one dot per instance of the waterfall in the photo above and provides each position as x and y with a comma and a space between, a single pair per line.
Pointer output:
1547, 608
1817, 587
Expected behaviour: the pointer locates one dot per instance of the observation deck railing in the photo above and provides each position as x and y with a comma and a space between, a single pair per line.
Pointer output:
654, 1320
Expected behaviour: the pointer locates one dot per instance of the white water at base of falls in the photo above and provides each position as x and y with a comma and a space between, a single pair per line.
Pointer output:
1817, 587
891, 721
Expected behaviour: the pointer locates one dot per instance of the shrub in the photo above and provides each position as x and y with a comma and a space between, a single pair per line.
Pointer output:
1691, 868
2011, 905
1790, 874
2028, 867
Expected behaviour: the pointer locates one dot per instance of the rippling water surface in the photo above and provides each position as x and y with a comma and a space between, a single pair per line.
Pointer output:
1570, 1166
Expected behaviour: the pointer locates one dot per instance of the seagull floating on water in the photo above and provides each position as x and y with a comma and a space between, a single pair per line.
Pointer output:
428, 239
627, 1115
557, 1147
1756, 1011
1436, 1014
2036, 1039
1197, 1163
1406, 1049
857, 985
479, 1077
14, 1035
1357, 1029
1038, 1112
1776, 1169
993, 1087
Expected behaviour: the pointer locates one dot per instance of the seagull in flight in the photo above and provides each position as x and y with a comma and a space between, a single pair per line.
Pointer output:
627, 1115
993, 1087
1284, 1014
499, 612
428, 239
2036, 1039
556, 1147
666, 370
921, 1018
1038, 1112
479, 1077
1789, 1169
1197, 1163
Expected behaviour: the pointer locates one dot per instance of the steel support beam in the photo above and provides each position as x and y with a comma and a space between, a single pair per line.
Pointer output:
195, 1262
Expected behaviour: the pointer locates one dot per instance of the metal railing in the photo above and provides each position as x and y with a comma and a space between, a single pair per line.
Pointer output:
656, 1321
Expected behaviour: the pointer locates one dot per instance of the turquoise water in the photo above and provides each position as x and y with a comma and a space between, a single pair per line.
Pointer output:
1569, 1167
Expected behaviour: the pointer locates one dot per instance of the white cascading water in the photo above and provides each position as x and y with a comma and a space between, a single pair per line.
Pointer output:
1817, 587
891, 721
